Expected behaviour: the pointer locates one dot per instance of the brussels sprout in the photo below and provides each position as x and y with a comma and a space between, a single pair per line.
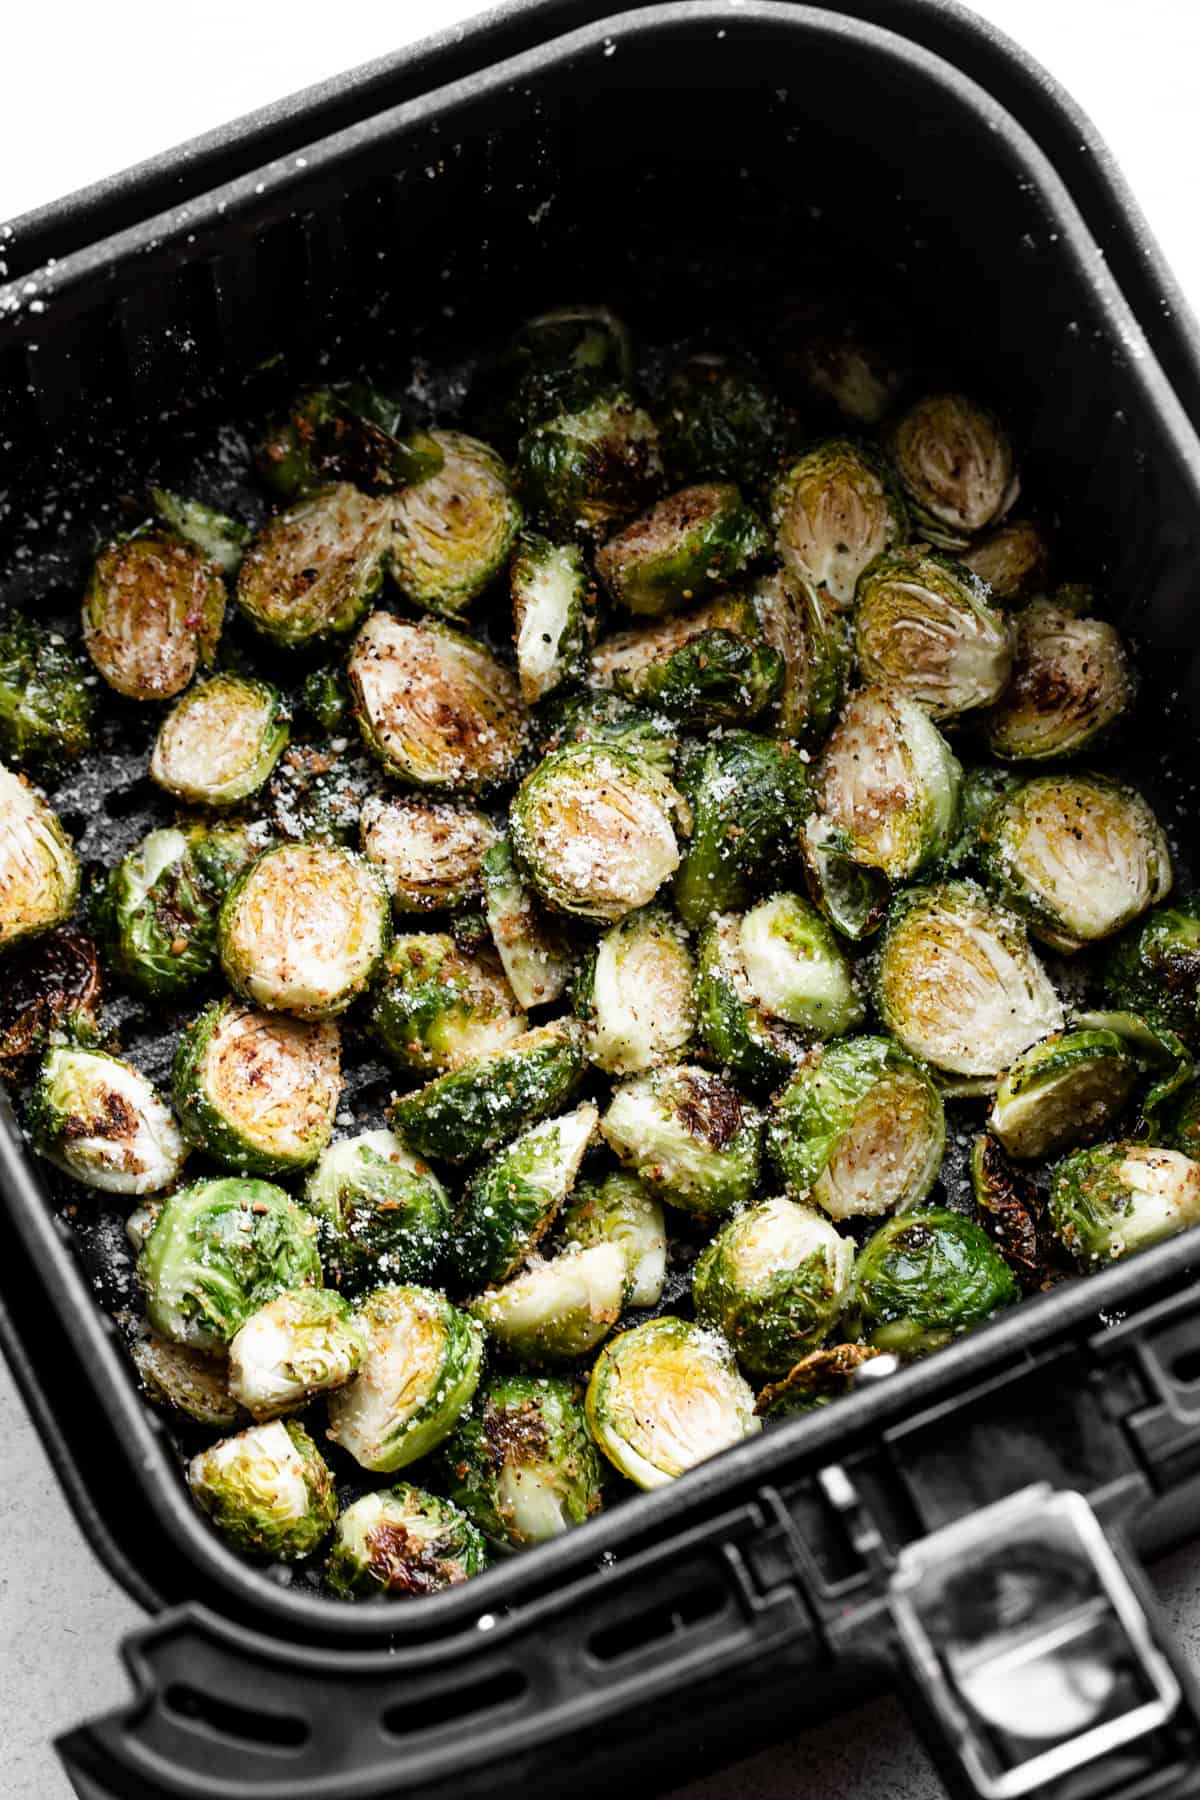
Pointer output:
1154, 969
796, 969
152, 615
431, 852
592, 827
533, 945
706, 667
853, 899
39, 876
452, 531
319, 795
835, 509
219, 743
621, 1210
690, 1137
433, 705
325, 697
1062, 1092
46, 706
748, 796
218, 1251
981, 788
100, 1120
890, 782
296, 1346
1011, 1209
1180, 1127
923, 625
508, 1205
634, 991
50, 995
255, 1090
347, 432
304, 929
436, 1008
773, 1280
193, 1382
553, 603
268, 1490
313, 570
587, 471
688, 544
859, 1129
402, 1540
739, 1033
956, 465
1012, 560
1071, 680
818, 1378
810, 635
1117, 1199
418, 1377
218, 537
478, 1107
158, 912
719, 423
523, 1465
558, 360
665, 1396
924, 1278
557, 1310
1157, 1053
1078, 856
958, 984
382, 1214
600, 716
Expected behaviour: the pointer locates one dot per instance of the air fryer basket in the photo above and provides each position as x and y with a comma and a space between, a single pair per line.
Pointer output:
689, 163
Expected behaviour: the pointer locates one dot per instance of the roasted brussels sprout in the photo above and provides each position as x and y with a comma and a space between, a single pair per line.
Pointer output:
268, 1490
1012, 560
483, 1104
304, 929
100, 1120
748, 796
402, 1540
719, 423
558, 1310
434, 705
1063, 1092
707, 667
256, 1090
523, 1465
923, 624
1117, 1199
348, 432
958, 983
298, 1345
889, 782
634, 992
1071, 680
690, 1137
621, 1210
601, 716
218, 537
532, 944
1011, 1210
158, 910
553, 604
46, 705
313, 570
219, 743
382, 1214
587, 471
435, 1008
665, 1396
1155, 968
859, 1129
923, 1279
853, 899
50, 995
217, 1252
325, 698
956, 465
418, 1377
318, 794
810, 635
817, 1379
152, 615
1158, 1053
510, 1203
431, 852
688, 544
835, 509
450, 533
560, 359
39, 876
193, 1382
773, 1280
1078, 856
981, 788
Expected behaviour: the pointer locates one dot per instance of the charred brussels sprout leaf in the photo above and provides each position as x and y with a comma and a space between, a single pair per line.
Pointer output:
557, 361
773, 1280
435, 1008
1011, 1210
39, 875
431, 852
600, 716
811, 637
476, 1108
100, 1120
405, 1542
1063, 1092
1117, 1199
835, 509
268, 1490
218, 537
634, 992
665, 1396
553, 604
523, 1465
532, 944
382, 1214
924, 624
956, 465
192, 1382
46, 706
1012, 560
349, 433
719, 423
159, 907
219, 743
313, 570
559, 1310
1155, 968
816, 1380
621, 1210
585, 472
1071, 681
853, 899
508, 1206
50, 995
298, 1345
708, 667
749, 797
450, 534
152, 615
923, 1279
890, 783
689, 1136
688, 544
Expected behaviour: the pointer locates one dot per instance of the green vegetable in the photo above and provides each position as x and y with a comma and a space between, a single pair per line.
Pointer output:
810, 635
431, 852
326, 699
890, 783
719, 423
981, 788
218, 537
621, 1210
39, 875
1062, 1092
158, 911
510, 1203
558, 360
690, 1137
686, 546
835, 509
600, 716
706, 667
853, 899
558, 1310
956, 465
192, 1382
313, 570
1117, 1199
923, 1279
451, 531
478, 1107
268, 1490
749, 797
435, 1008
403, 1541
382, 1214
349, 433
924, 624
46, 706
665, 1396
1071, 681
523, 1465
219, 743
634, 992
586, 471
1154, 968
533, 945
298, 1345
773, 1280
152, 614
553, 602
1012, 559
101, 1120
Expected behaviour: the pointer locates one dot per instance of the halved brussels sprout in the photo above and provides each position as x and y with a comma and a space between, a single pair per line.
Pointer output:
434, 705
452, 531
100, 1120
593, 828
256, 1090
313, 570
795, 967
39, 876
587, 471
665, 1396
217, 1252
533, 945
152, 614
1011, 1209
958, 983
347, 432
690, 1137
688, 544
417, 1379
318, 794
431, 852
51, 996
859, 1129
268, 1490
719, 423
853, 899
158, 911
382, 1214
1158, 1053
435, 1007
193, 1382
835, 509
1071, 680
956, 465
600, 716
304, 929
523, 1465
402, 1540
1062, 1092
923, 1279
219, 743
923, 624
558, 360
218, 537
749, 797
1117, 1199
553, 601
738, 1032
483, 1104
46, 706
706, 667
298, 1345
1155, 969
797, 620
773, 1281
634, 992
816, 1380
1012, 559
1078, 856
621, 1210
508, 1205
890, 782
558, 1310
